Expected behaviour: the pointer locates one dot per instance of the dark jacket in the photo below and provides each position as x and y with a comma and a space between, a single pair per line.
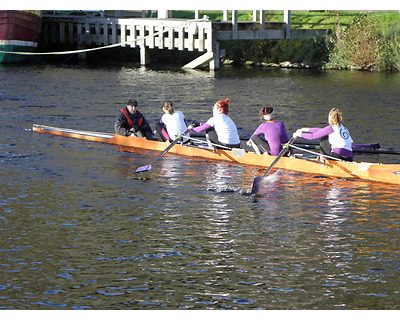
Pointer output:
124, 127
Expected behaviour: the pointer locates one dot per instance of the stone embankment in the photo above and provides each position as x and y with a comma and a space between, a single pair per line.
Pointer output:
284, 64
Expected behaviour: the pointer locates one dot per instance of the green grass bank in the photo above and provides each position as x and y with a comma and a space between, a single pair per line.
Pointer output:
355, 40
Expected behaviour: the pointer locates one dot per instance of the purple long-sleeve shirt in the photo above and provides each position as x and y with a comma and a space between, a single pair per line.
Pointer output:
275, 134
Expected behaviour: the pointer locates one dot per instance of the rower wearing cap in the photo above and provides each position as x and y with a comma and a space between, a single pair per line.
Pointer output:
131, 122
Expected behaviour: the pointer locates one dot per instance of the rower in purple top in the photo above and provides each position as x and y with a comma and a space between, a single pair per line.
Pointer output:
270, 135
335, 138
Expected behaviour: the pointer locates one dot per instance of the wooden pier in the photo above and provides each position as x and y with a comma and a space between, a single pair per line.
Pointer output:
199, 35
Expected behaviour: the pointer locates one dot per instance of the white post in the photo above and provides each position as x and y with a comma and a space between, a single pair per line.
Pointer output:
144, 56
225, 15
287, 17
214, 63
262, 24
144, 52
234, 24
196, 14
254, 15
164, 14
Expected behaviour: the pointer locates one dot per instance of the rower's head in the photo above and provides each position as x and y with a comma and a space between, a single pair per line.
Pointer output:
267, 114
132, 106
335, 117
167, 107
222, 106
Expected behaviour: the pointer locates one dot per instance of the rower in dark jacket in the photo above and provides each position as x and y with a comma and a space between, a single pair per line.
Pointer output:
132, 123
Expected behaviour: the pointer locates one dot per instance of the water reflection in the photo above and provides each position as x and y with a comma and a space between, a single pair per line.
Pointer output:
81, 230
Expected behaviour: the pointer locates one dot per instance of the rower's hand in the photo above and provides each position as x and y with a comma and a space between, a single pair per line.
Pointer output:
298, 133
193, 125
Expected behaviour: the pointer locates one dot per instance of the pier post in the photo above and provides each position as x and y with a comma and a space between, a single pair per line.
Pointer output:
144, 56
214, 62
287, 17
225, 15
234, 24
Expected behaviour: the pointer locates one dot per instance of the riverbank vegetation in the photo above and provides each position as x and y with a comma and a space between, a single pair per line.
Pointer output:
354, 40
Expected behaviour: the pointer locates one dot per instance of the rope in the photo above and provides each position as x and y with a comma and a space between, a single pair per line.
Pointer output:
82, 50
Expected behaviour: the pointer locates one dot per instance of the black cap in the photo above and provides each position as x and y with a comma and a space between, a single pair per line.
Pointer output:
132, 103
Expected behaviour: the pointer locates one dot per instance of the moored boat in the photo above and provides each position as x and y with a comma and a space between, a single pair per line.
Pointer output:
19, 32
387, 173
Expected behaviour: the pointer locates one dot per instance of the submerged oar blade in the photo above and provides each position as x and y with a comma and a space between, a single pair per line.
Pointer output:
144, 168
256, 185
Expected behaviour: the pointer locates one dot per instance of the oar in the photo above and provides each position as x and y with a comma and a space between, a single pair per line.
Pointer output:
258, 179
148, 167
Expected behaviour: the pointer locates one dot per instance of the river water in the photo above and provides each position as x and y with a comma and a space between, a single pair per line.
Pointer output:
80, 230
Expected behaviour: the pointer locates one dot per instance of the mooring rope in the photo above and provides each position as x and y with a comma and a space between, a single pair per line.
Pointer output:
81, 50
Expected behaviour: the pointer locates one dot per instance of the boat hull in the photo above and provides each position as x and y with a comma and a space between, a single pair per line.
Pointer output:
19, 32
387, 173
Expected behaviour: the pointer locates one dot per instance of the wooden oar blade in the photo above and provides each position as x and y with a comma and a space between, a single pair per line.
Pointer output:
144, 168
256, 185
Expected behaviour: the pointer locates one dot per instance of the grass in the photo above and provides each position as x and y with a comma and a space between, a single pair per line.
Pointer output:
302, 19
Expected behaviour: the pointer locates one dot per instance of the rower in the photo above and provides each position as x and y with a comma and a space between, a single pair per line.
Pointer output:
335, 138
270, 134
171, 124
220, 129
131, 122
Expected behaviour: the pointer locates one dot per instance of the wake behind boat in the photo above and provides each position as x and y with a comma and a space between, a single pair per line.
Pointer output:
387, 173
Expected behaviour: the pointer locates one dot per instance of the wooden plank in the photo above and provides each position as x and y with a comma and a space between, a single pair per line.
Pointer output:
181, 38
192, 31
53, 33
209, 40
142, 34
114, 33
62, 32
79, 33
151, 37
234, 24
205, 58
105, 33
161, 37
123, 34
86, 37
70, 33
132, 38
97, 36
171, 38
262, 24
201, 39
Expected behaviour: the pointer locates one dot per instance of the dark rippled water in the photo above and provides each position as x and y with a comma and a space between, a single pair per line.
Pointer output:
79, 230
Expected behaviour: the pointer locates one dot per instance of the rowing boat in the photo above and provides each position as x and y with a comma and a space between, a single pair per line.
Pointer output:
387, 173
